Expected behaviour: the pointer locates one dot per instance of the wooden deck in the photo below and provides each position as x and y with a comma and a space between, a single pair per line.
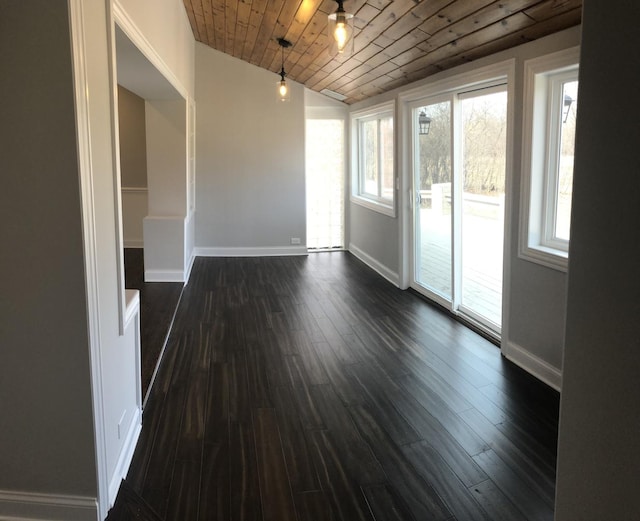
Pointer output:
309, 388
481, 261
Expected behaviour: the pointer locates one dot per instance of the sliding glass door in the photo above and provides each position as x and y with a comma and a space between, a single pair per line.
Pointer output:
459, 158
433, 208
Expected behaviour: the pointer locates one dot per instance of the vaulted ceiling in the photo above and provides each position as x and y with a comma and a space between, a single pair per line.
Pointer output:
396, 41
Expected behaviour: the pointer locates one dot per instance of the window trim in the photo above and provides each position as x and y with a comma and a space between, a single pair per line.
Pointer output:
537, 196
357, 194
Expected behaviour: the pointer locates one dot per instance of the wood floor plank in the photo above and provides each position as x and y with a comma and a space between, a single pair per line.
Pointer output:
184, 494
311, 389
151, 421
379, 391
310, 414
217, 414
238, 387
302, 473
244, 485
342, 491
213, 501
526, 419
192, 429
441, 440
436, 472
386, 504
338, 375
422, 500
529, 502
449, 420
275, 488
258, 380
313, 506
356, 454
336, 341
495, 503
528, 466
162, 460
158, 303
313, 367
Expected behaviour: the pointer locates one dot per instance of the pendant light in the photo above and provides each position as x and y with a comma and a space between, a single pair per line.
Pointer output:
284, 92
340, 28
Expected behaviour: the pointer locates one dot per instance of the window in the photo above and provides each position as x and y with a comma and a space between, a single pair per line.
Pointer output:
373, 183
551, 97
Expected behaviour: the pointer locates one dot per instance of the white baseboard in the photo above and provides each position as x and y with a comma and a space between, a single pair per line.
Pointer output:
189, 268
164, 276
534, 365
27, 506
276, 251
126, 455
391, 276
133, 243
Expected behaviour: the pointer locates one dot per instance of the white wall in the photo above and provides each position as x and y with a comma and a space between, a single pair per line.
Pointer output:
133, 139
250, 196
599, 453
166, 157
165, 27
133, 165
533, 331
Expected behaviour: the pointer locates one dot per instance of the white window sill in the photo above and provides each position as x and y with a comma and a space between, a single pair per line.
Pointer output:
545, 256
376, 206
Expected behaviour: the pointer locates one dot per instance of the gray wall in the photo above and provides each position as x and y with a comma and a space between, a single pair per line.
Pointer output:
46, 433
533, 331
133, 136
375, 234
599, 453
250, 182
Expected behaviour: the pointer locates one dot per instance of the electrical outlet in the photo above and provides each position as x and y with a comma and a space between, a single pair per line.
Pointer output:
295, 240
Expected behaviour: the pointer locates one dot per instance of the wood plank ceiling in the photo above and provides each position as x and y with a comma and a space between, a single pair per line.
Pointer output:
396, 41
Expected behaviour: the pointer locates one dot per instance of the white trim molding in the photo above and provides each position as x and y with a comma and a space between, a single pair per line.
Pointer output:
16, 506
376, 203
126, 454
274, 251
85, 164
378, 267
135, 190
533, 364
134, 34
537, 136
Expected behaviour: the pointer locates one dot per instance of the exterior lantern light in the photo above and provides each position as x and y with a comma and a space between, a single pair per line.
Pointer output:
424, 122
566, 107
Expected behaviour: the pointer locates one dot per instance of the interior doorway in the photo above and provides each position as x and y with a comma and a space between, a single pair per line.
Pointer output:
156, 195
325, 160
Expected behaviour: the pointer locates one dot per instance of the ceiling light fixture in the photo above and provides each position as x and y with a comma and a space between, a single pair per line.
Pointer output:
284, 92
340, 28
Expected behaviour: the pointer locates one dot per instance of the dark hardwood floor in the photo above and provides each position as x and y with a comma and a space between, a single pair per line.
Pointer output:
158, 302
311, 389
